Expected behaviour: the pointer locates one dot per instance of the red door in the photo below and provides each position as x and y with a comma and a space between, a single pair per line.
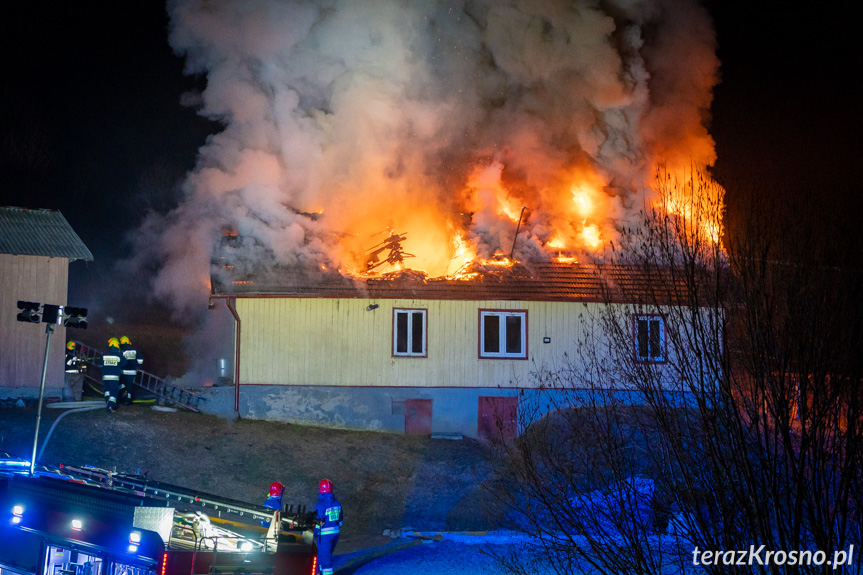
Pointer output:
498, 418
418, 417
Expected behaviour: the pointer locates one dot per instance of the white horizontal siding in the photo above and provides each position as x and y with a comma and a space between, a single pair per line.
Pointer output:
320, 341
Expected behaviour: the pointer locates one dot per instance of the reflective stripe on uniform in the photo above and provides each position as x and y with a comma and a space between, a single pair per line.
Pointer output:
111, 377
329, 531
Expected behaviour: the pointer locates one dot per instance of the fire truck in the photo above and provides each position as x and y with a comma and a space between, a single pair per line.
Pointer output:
90, 521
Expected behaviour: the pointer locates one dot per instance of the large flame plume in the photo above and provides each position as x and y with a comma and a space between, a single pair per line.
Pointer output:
439, 127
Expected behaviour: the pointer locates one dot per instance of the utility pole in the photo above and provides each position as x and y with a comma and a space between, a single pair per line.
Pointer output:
34, 312
49, 329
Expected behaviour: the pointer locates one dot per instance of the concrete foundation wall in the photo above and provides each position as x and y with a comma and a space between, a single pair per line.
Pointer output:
454, 410
29, 392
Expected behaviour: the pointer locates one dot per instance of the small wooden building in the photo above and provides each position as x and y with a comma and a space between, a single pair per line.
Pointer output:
406, 353
36, 247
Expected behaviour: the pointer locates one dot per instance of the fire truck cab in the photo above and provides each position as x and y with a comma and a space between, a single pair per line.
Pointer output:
87, 521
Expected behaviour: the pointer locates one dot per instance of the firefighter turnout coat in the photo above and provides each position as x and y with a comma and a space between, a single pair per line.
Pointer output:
329, 522
112, 368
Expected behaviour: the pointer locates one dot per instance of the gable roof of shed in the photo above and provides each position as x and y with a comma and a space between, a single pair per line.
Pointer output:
542, 281
28, 232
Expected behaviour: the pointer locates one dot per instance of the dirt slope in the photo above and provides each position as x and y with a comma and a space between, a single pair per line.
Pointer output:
384, 481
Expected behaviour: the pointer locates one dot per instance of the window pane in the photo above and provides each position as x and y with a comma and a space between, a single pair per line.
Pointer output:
417, 332
655, 347
401, 332
490, 334
513, 334
642, 338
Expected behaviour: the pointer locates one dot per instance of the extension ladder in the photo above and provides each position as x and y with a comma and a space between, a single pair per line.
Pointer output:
158, 386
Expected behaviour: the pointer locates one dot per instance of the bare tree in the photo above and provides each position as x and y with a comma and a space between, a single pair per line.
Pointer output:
718, 410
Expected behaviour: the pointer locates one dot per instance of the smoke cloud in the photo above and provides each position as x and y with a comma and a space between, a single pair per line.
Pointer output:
440, 119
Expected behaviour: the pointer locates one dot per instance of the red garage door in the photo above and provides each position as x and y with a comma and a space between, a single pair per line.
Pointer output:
418, 417
498, 418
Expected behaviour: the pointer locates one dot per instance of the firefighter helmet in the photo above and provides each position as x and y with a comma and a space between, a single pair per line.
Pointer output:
113, 342
125, 340
325, 486
276, 489
70, 345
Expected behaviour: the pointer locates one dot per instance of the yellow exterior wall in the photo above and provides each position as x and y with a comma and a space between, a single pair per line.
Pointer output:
330, 341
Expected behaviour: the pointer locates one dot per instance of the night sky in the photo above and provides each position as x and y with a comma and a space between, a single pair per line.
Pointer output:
91, 120
92, 123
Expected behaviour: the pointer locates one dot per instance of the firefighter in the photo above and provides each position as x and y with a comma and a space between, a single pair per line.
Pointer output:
73, 384
131, 363
274, 501
112, 369
328, 522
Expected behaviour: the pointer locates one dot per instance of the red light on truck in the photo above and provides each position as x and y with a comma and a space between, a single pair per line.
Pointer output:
314, 564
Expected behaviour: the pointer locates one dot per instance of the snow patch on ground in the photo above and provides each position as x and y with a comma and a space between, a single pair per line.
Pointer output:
441, 557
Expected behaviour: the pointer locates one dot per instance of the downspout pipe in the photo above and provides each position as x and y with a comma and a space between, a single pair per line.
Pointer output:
230, 303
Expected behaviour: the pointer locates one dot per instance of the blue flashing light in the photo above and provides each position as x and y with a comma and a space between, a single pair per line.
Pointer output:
133, 549
14, 465
18, 510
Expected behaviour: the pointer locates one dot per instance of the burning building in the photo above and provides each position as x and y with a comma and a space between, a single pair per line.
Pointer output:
403, 352
436, 140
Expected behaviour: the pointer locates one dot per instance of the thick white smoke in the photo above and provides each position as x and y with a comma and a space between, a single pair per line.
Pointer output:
421, 117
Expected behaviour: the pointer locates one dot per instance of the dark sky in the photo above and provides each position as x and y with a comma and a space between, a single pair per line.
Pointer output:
788, 106
91, 120
92, 125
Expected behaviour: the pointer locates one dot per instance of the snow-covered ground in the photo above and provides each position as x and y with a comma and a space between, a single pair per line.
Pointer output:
455, 553
446, 553
438, 558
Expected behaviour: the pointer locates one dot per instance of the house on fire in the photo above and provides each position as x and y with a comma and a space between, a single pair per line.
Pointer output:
409, 354
36, 248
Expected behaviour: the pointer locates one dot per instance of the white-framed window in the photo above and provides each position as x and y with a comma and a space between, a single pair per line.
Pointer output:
409, 333
649, 338
503, 334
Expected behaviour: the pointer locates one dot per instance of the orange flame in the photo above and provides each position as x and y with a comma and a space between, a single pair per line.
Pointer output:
696, 200
590, 235
573, 213
556, 242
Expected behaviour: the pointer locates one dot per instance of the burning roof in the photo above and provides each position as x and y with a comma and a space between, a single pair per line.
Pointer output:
542, 281
470, 131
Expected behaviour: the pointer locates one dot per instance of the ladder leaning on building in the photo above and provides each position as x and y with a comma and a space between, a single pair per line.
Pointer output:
161, 388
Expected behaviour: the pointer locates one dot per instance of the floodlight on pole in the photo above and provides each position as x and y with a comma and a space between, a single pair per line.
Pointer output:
52, 314
30, 311
75, 317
